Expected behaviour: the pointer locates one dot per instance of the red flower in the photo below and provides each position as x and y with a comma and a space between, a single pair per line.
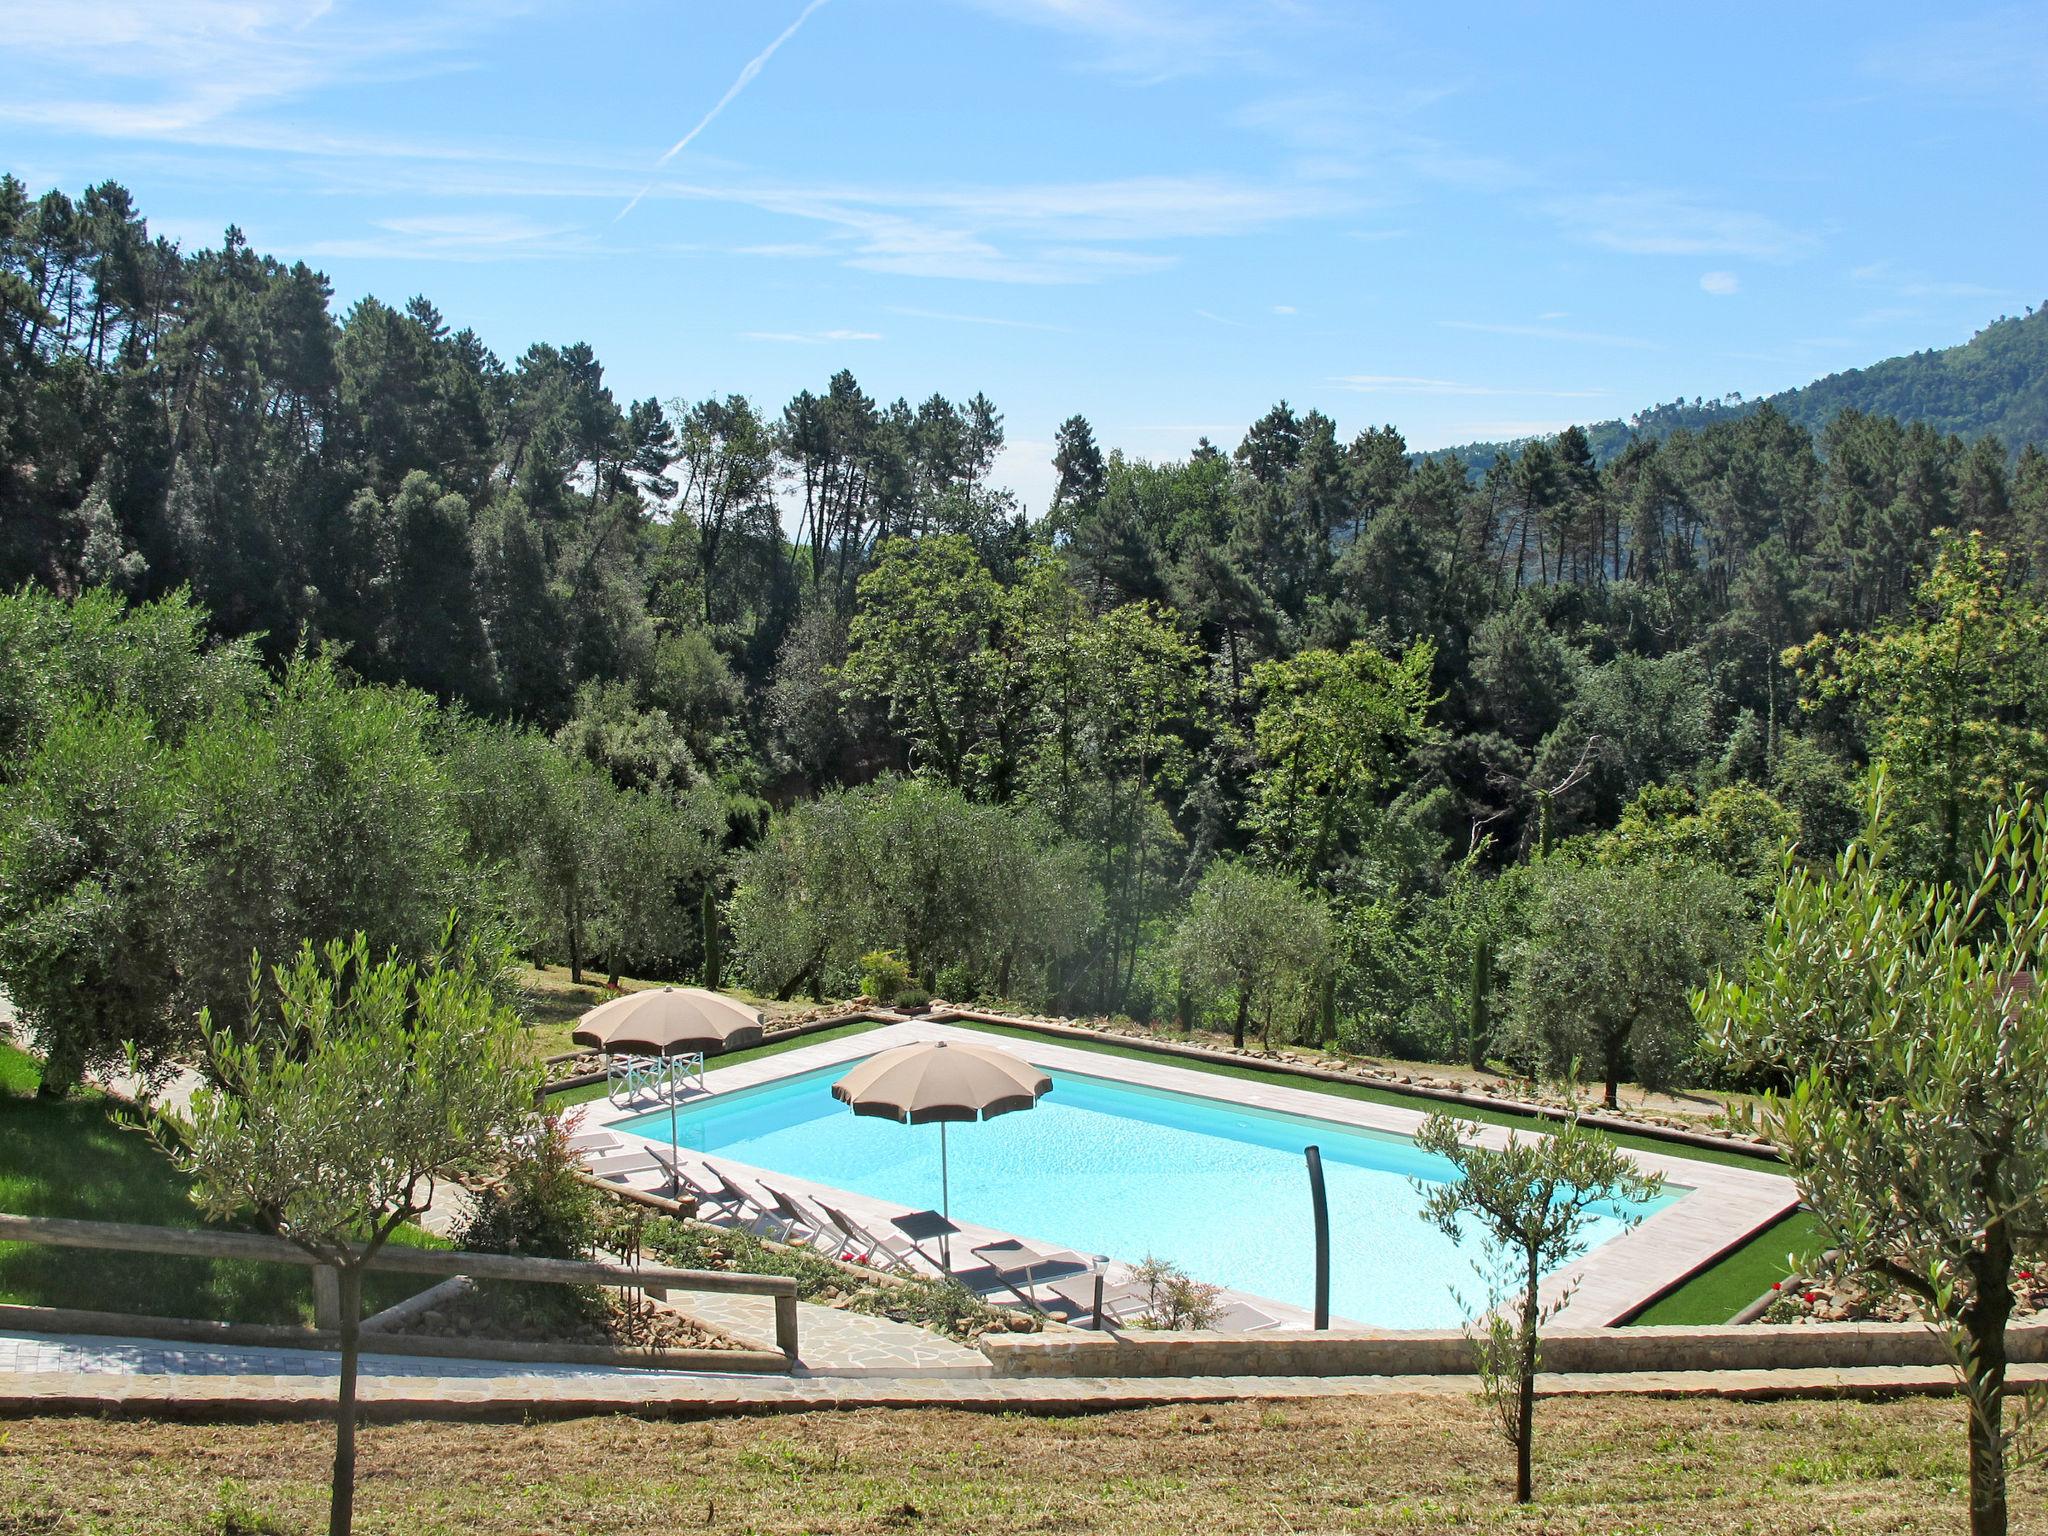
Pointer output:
1777, 1285
1812, 1297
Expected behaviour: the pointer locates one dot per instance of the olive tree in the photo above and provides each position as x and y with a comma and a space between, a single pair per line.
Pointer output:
1531, 1201
1908, 1027
1254, 939
89, 870
357, 1082
1606, 969
913, 866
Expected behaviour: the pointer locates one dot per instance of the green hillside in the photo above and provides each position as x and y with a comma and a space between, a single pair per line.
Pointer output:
1995, 383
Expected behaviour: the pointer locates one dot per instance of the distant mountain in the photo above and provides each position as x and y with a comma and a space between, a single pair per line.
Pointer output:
1996, 382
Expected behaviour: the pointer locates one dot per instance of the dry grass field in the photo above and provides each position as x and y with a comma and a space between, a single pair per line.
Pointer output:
1378, 1464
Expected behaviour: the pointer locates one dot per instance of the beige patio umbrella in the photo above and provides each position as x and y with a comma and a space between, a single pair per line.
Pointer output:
941, 1080
670, 1021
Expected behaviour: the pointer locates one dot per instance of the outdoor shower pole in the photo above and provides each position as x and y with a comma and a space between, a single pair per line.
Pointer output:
1322, 1208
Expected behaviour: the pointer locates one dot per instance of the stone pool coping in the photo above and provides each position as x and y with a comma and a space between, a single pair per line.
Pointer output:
1723, 1206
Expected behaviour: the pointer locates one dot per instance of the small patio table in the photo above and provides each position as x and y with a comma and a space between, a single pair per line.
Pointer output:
921, 1226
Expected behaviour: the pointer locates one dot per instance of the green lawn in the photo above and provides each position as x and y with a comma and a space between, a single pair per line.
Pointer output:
591, 1091
70, 1157
1377, 1095
1717, 1294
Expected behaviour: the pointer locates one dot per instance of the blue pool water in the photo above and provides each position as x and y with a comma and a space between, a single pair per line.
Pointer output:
1106, 1167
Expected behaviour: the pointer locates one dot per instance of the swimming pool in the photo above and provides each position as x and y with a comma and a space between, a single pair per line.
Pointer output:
1116, 1168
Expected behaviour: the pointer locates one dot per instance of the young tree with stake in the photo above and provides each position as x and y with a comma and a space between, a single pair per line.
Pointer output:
1911, 1023
331, 1124
1533, 1199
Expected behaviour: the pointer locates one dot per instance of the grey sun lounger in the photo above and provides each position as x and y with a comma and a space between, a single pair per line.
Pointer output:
1077, 1297
894, 1251
801, 1224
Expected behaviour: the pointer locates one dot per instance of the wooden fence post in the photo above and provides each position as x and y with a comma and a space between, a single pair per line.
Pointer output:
327, 1298
785, 1324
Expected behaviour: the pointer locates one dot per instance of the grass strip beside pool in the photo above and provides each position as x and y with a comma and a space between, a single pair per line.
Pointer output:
1715, 1295
1373, 1094
593, 1091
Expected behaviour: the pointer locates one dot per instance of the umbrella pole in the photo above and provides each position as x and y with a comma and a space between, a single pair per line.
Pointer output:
945, 1201
675, 1179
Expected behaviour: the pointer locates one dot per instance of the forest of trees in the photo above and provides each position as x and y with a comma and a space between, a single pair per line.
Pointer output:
328, 622
1993, 385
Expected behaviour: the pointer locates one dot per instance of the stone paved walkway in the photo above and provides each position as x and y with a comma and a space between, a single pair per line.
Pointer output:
63, 1374
837, 1343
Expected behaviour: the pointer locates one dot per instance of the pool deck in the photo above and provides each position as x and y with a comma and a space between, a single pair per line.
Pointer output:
1720, 1208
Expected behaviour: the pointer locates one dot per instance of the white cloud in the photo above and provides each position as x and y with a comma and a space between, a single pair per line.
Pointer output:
994, 320
812, 338
2005, 50
175, 69
748, 71
1908, 284
1405, 384
1720, 284
459, 237
1545, 333
1660, 223
1145, 40
1285, 309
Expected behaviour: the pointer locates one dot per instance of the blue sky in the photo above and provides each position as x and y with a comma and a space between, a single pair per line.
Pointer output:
1472, 221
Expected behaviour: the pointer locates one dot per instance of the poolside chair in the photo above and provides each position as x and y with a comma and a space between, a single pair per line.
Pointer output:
594, 1141
1020, 1267
1243, 1317
1078, 1297
800, 1224
749, 1208
886, 1250
696, 1182
624, 1162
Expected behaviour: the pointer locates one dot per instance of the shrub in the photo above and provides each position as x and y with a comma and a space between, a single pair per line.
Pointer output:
883, 974
539, 1207
1174, 1301
910, 998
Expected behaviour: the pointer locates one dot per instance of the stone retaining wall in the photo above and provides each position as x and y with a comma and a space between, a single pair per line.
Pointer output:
1806, 1346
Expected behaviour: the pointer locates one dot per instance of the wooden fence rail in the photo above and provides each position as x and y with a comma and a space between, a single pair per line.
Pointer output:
127, 1237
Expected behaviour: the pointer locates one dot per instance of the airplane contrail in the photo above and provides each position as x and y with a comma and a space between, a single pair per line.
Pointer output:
746, 78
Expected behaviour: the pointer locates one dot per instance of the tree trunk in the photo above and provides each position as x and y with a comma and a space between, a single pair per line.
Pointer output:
341, 1507
1614, 1049
1525, 1388
575, 926
1987, 1460
1985, 1321
1244, 1008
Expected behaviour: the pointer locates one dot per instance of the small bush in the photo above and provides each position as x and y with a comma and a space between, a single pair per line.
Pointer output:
1175, 1301
912, 997
539, 1207
883, 975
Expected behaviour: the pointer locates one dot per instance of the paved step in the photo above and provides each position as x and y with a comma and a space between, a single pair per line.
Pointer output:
52, 1374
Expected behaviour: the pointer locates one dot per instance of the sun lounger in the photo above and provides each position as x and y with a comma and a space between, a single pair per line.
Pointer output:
1077, 1297
1243, 1317
884, 1250
1019, 1266
627, 1160
801, 1224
